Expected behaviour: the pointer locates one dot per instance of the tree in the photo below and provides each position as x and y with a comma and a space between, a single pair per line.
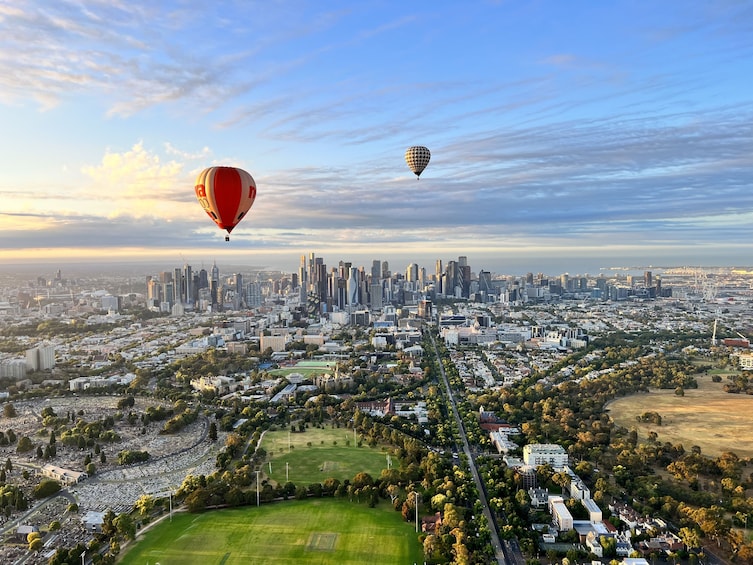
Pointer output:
198, 499
24, 445
690, 537
362, 479
144, 504
36, 544
125, 526
9, 411
45, 488
431, 547
213, 431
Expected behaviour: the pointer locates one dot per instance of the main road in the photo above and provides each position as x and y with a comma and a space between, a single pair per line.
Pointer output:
504, 553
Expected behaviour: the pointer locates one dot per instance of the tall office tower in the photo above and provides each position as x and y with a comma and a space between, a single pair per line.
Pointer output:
203, 279
339, 291
376, 271
332, 283
424, 310
313, 261
151, 287
239, 299
438, 272
648, 281
485, 282
195, 287
214, 284
411, 273
178, 286
188, 281
319, 280
303, 271
253, 295
454, 280
422, 276
565, 282
529, 278
363, 286
343, 269
465, 278
353, 287
385, 270
168, 293
462, 261
630, 281
376, 295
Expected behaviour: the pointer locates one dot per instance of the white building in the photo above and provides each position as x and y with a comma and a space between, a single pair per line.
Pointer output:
110, 303
41, 358
13, 368
66, 476
577, 487
560, 514
594, 512
536, 454
275, 342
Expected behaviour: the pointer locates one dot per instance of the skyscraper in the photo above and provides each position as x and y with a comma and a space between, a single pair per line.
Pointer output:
411, 273
438, 272
353, 286
214, 284
188, 284
239, 301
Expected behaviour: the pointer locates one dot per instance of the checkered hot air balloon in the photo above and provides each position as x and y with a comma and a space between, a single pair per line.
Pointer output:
417, 158
226, 194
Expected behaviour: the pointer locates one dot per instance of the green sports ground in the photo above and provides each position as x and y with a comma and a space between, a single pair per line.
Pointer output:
314, 531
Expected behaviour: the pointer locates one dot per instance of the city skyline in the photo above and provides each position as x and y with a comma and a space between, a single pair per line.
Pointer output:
561, 134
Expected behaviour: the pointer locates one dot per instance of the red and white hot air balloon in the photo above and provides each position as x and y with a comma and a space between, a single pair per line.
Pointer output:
226, 194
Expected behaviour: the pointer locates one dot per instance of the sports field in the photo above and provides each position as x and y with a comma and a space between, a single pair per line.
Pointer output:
306, 368
291, 458
319, 531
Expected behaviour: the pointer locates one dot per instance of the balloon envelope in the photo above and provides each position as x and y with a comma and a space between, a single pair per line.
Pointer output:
226, 194
417, 158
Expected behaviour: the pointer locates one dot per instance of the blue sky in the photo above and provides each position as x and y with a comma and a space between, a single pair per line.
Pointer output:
597, 132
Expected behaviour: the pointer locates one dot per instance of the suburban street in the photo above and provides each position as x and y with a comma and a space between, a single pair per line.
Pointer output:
506, 553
